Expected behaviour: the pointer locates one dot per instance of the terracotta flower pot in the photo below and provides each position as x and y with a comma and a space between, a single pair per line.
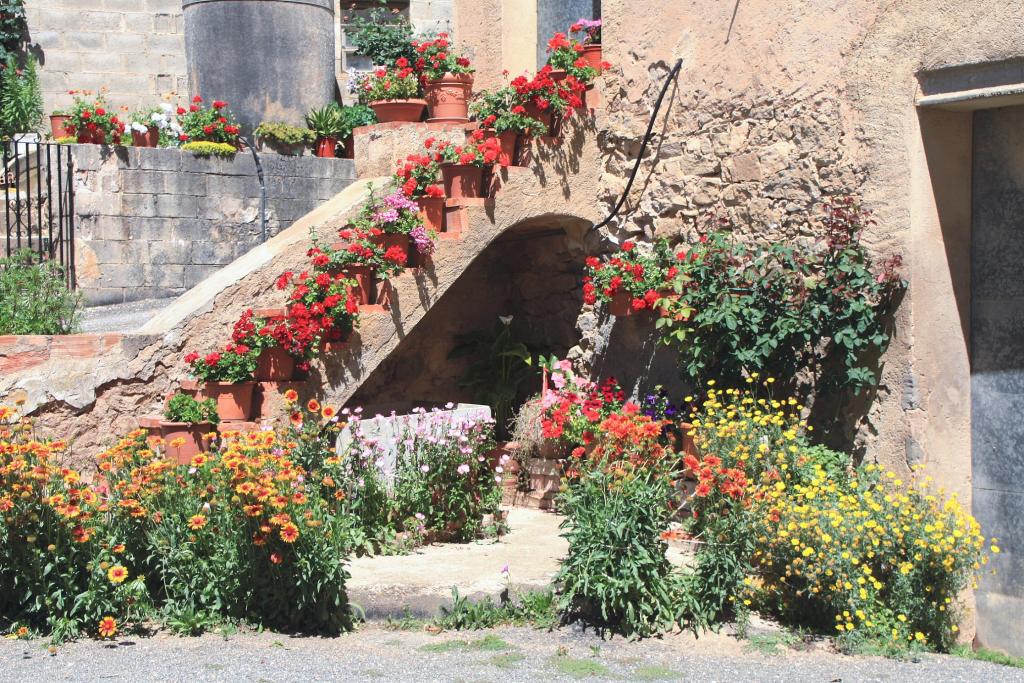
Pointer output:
592, 56
509, 141
621, 305
390, 239
90, 137
325, 147
275, 365
432, 210
547, 116
462, 180
390, 111
59, 126
365, 277
448, 98
234, 401
191, 432
151, 138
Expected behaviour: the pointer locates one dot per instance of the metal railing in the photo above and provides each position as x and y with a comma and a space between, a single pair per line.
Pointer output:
38, 214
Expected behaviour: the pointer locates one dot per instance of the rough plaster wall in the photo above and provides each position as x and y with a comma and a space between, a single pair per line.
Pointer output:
136, 48
779, 105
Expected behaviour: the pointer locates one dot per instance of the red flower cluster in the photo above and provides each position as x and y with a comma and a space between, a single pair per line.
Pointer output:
640, 276
562, 96
436, 58
417, 175
711, 477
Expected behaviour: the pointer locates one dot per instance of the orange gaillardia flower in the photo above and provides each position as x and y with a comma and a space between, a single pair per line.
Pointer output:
328, 412
196, 522
107, 627
289, 533
313, 406
291, 396
117, 574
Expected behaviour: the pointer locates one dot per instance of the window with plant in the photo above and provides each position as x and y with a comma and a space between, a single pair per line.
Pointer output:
185, 408
35, 298
591, 30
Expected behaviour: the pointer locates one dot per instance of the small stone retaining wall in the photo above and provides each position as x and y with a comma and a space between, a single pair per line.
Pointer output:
152, 223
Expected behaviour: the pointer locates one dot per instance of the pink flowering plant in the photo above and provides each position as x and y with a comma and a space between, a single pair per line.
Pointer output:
443, 475
591, 29
395, 214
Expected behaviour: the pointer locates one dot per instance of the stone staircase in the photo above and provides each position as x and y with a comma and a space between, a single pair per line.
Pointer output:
89, 399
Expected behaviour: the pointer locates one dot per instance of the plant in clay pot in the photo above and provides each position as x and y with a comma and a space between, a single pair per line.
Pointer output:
549, 100
447, 79
462, 166
151, 126
187, 426
591, 52
215, 123
327, 124
629, 281
393, 94
274, 343
323, 306
228, 376
417, 176
565, 54
502, 114
283, 138
92, 120
352, 117
395, 220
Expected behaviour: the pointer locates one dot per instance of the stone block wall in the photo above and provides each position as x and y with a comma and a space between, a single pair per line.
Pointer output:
153, 223
135, 48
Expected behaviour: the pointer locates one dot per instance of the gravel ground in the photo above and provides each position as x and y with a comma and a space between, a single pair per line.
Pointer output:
513, 654
121, 317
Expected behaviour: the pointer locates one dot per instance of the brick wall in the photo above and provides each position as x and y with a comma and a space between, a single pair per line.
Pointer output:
152, 223
135, 48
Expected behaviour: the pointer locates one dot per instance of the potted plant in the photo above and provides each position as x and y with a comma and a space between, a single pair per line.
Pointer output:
417, 177
228, 379
502, 115
447, 79
215, 123
59, 124
282, 138
462, 166
393, 94
361, 262
395, 221
327, 125
565, 56
355, 116
275, 346
93, 122
591, 52
146, 126
185, 425
629, 282
323, 304
548, 100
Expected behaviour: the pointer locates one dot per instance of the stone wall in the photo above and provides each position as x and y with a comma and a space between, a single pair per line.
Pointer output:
153, 223
135, 48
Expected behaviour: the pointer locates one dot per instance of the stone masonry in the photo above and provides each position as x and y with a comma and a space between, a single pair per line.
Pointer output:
152, 223
135, 48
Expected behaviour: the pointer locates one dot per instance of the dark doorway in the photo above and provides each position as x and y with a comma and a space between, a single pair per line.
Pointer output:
997, 368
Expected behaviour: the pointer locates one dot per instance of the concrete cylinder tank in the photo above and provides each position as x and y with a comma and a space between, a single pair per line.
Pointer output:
271, 60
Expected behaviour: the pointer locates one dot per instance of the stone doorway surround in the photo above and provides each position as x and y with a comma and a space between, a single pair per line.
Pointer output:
956, 166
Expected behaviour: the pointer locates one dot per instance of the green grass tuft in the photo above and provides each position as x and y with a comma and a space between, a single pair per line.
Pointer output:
991, 656
489, 643
656, 673
579, 668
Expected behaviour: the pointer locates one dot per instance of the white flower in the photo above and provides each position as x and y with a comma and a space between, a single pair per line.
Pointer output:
419, 516
139, 128
499, 469
424, 468
167, 107
463, 468
505, 319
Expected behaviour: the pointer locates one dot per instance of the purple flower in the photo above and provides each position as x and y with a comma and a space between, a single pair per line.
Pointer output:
421, 240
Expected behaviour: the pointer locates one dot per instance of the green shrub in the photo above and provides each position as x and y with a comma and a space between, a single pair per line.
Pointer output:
34, 297
326, 122
185, 408
21, 99
208, 149
616, 574
384, 37
284, 133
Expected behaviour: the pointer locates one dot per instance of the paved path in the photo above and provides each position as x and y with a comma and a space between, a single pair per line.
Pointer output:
520, 654
121, 317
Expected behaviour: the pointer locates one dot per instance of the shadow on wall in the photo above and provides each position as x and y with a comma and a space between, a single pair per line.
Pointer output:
532, 273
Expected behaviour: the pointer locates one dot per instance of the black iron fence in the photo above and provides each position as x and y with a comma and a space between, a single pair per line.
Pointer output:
37, 187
